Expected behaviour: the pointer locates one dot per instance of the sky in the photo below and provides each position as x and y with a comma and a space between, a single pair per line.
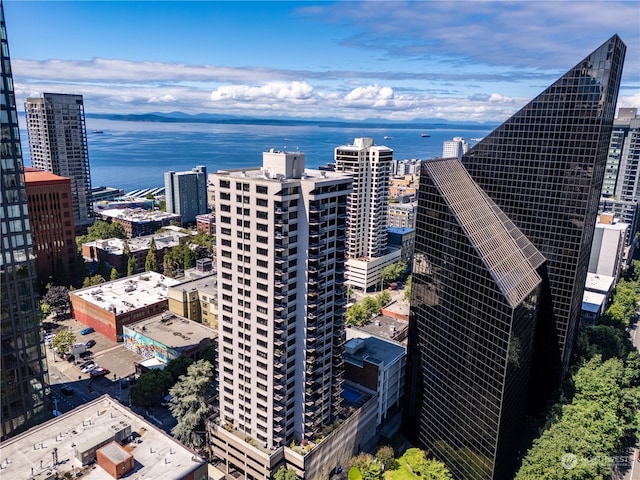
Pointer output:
373, 60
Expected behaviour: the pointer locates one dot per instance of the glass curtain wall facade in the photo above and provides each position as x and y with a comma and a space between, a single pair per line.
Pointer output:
474, 302
544, 168
24, 380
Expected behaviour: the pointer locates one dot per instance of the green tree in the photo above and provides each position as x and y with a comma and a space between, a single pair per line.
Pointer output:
383, 298
178, 367
150, 387
210, 354
63, 340
356, 315
369, 467
415, 458
189, 406
101, 230
91, 281
151, 262
132, 267
57, 298
285, 473
435, 470
371, 306
114, 274
407, 289
386, 456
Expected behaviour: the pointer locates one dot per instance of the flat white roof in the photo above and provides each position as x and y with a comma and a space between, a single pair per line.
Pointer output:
137, 214
598, 283
592, 301
129, 293
157, 455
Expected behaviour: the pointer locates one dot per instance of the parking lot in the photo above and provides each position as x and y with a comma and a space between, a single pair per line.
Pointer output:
105, 353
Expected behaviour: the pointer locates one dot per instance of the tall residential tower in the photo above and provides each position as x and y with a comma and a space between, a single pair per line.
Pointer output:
367, 250
281, 249
58, 144
186, 193
24, 379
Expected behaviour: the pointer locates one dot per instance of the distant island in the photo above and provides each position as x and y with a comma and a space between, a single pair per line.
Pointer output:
180, 117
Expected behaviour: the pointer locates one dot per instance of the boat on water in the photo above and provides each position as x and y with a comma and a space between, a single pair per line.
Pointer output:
425, 135
97, 131
387, 137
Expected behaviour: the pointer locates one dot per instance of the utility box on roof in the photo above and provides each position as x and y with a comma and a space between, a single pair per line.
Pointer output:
115, 460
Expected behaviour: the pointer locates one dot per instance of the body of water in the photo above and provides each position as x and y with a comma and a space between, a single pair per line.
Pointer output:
131, 155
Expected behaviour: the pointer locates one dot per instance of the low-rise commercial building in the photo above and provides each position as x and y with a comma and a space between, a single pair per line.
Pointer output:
377, 365
365, 273
597, 289
206, 223
113, 250
137, 222
608, 246
403, 238
99, 440
167, 336
109, 306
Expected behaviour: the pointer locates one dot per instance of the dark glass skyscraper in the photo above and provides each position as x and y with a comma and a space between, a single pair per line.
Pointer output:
24, 381
544, 168
470, 341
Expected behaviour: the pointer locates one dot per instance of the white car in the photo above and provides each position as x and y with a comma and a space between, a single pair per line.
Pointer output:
89, 367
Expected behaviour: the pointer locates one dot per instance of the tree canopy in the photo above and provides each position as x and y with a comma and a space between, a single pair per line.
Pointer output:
64, 340
150, 387
57, 298
189, 406
101, 230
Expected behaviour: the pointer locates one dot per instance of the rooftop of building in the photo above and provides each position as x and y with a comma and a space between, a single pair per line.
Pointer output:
138, 214
30, 455
35, 175
598, 283
373, 350
592, 301
173, 331
197, 280
129, 293
382, 326
115, 246
608, 221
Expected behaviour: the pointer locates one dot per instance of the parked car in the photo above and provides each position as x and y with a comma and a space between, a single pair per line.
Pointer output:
98, 372
87, 331
89, 367
66, 390
124, 383
90, 343
86, 364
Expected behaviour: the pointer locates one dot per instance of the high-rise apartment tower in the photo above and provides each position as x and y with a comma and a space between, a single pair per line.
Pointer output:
280, 249
24, 401
186, 193
454, 148
58, 144
367, 252
622, 176
536, 182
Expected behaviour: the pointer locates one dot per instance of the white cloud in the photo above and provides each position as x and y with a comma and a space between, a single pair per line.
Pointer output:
163, 99
288, 92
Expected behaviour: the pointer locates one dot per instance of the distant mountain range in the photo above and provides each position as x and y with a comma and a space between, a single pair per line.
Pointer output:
175, 117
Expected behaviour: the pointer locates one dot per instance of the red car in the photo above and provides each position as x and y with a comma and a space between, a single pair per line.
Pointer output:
98, 372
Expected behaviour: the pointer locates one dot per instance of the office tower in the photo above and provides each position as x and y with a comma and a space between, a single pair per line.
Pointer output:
186, 193
280, 260
475, 291
454, 148
24, 401
544, 168
58, 144
622, 177
540, 173
52, 227
367, 252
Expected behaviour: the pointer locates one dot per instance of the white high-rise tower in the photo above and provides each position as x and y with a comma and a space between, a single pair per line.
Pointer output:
367, 212
280, 247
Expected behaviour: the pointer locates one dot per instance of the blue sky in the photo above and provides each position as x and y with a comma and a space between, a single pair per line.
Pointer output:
389, 60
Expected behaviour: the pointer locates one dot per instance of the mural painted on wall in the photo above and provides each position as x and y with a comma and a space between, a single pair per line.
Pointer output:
145, 346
